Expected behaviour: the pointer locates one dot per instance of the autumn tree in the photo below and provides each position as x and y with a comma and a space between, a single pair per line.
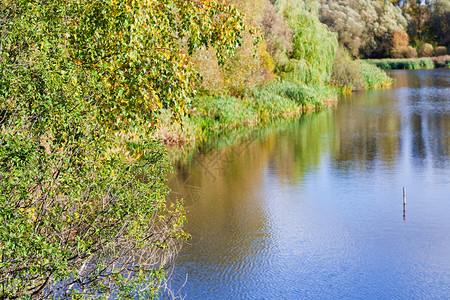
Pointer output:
363, 27
438, 25
82, 184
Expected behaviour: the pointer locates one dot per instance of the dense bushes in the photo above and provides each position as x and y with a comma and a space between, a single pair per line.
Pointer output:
83, 212
277, 34
364, 27
299, 49
251, 65
399, 46
346, 72
296, 46
425, 50
357, 75
404, 52
441, 50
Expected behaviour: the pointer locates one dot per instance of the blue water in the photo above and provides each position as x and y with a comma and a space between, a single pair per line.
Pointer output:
314, 208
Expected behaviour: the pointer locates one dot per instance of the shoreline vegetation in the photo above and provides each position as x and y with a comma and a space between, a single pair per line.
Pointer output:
442, 61
289, 71
211, 116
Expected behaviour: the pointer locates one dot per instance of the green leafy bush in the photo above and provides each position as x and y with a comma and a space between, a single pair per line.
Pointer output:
346, 72
373, 76
314, 46
251, 65
82, 185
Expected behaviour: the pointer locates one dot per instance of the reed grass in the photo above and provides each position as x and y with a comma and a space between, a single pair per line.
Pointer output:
403, 63
212, 116
373, 76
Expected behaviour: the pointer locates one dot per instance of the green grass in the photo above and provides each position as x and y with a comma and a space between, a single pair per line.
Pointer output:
402, 63
373, 76
213, 116
260, 105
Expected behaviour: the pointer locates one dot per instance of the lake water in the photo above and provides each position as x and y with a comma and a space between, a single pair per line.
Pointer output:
313, 208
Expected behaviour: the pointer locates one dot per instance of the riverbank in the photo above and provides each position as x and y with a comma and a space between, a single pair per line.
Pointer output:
411, 63
316, 205
210, 116
213, 115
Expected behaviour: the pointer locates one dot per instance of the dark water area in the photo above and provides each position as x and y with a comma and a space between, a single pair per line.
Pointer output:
314, 209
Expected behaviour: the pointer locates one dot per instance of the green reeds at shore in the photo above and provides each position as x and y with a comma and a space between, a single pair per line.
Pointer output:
356, 75
411, 63
210, 116
373, 76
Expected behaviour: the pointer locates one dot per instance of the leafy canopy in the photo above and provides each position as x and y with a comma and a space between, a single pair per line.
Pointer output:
82, 186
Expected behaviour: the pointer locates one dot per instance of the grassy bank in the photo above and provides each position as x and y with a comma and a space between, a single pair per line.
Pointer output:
411, 63
212, 116
352, 75
374, 77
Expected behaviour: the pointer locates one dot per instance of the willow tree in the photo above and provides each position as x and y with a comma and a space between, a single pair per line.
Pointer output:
314, 46
82, 185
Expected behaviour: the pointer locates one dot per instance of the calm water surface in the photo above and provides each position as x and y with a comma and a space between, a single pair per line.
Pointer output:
313, 208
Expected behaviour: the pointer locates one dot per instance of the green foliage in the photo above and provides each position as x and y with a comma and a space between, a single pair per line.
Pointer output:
82, 185
306, 96
346, 73
373, 76
251, 65
353, 75
297, 46
409, 64
314, 45
141, 40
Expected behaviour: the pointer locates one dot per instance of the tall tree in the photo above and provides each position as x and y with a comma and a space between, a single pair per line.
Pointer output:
364, 27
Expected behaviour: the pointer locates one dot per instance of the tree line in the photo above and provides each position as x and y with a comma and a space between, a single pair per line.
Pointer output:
398, 28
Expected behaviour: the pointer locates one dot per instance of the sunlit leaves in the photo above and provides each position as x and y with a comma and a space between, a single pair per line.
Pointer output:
142, 49
80, 209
